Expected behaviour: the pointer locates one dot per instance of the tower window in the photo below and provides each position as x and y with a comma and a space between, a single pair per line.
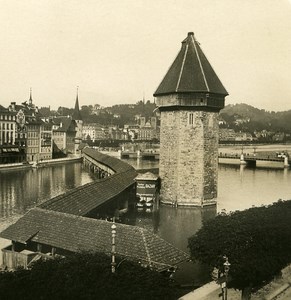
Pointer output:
190, 118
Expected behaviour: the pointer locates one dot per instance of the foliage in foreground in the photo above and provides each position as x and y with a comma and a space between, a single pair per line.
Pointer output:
85, 276
256, 241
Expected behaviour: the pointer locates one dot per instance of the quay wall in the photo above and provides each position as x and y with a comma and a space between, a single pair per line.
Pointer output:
18, 166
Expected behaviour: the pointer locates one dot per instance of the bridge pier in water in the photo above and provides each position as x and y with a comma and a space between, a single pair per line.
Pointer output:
102, 172
242, 159
251, 163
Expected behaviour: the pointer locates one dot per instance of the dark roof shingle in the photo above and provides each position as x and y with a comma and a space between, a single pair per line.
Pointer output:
74, 233
81, 200
190, 72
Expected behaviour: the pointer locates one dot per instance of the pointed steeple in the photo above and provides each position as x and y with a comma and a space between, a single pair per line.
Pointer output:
30, 97
190, 72
76, 114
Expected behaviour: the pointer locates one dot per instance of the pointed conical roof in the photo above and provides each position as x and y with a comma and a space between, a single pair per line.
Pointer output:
76, 114
190, 72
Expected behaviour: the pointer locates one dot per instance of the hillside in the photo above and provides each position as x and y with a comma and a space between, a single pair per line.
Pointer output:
240, 117
244, 117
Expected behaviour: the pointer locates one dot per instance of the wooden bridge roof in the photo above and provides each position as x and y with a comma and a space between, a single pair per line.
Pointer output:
113, 163
75, 233
81, 200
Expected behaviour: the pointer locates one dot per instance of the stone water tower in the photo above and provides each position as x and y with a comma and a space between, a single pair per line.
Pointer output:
189, 99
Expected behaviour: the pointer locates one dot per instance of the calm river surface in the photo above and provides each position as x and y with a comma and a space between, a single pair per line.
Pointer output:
239, 187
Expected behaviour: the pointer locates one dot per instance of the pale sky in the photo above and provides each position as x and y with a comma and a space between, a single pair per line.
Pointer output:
116, 51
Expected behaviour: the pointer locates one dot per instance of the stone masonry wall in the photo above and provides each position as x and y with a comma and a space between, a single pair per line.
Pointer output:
188, 157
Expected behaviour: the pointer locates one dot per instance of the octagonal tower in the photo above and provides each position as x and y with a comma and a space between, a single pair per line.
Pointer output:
189, 99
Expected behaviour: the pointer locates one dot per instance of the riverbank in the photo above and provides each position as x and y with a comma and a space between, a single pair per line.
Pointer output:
259, 150
279, 288
43, 163
256, 148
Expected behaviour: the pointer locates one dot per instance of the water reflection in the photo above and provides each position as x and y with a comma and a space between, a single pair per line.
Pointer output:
176, 225
23, 189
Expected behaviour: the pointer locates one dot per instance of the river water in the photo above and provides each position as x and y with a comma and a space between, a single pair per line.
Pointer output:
239, 187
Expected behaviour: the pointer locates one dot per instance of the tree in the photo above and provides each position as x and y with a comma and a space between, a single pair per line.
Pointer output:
256, 242
64, 111
86, 111
85, 276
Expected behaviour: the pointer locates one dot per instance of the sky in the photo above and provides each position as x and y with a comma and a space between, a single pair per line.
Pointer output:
118, 51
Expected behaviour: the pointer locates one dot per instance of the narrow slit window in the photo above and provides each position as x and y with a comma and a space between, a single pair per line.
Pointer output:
191, 119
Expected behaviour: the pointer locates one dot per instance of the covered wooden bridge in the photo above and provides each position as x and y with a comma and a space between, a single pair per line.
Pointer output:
66, 224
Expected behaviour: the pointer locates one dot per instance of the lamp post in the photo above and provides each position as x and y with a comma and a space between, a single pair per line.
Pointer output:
113, 234
226, 270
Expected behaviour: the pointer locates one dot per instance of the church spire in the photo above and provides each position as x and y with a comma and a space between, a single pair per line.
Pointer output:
77, 99
30, 97
76, 114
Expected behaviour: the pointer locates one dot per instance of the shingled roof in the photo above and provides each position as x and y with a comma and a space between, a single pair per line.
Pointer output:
65, 124
75, 234
113, 163
81, 200
190, 72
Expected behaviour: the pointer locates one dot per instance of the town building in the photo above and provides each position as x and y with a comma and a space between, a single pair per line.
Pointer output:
46, 141
64, 136
189, 99
93, 132
9, 151
116, 133
226, 134
148, 129
24, 136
